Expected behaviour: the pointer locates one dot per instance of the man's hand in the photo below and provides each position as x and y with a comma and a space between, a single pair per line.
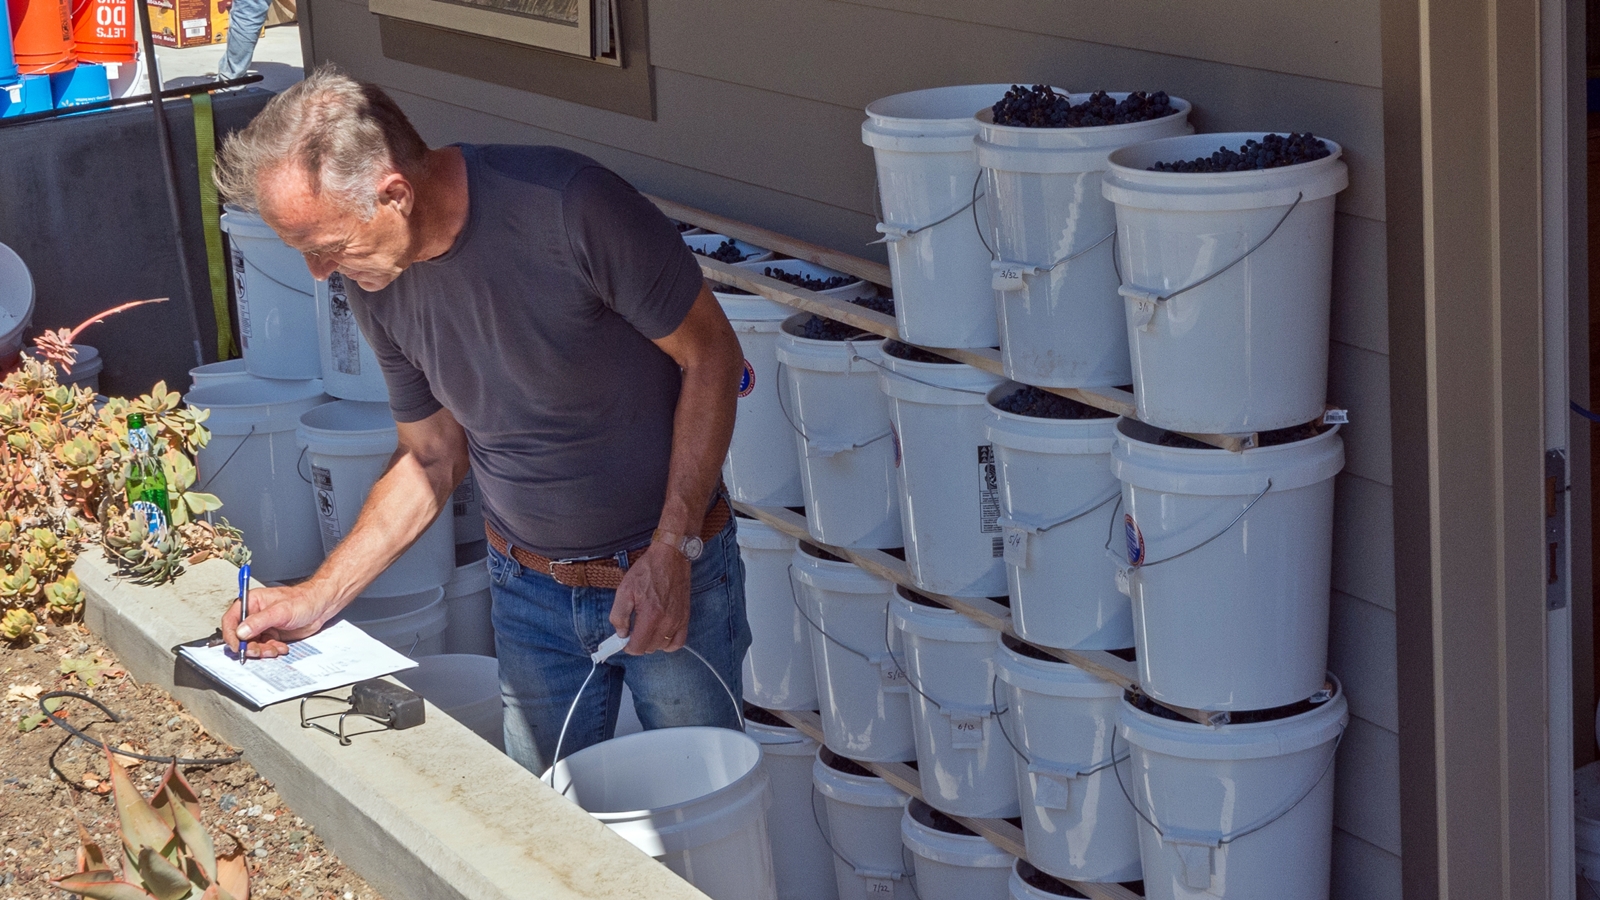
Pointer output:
652, 603
277, 615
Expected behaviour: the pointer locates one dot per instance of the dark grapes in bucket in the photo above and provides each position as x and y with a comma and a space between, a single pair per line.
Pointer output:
1274, 438
1041, 404
818, 328
911, 353
807, 282
1273, 151
728, 251
1041, 107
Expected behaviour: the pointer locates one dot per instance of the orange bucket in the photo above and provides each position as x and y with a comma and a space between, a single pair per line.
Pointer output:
42, 36
104, 30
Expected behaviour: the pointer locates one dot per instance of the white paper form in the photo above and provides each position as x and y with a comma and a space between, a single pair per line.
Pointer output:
338, 655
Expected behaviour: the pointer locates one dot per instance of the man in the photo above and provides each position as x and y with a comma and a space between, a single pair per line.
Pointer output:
536, 315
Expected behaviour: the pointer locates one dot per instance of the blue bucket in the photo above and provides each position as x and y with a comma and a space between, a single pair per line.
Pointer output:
83, 84
31, 94
8, 62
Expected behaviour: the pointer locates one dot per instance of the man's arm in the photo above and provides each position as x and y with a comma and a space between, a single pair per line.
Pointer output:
429, 462
652, 603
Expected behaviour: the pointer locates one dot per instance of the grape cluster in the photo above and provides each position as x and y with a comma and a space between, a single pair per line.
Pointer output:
818, 328
1041, 107
807, 282
727, 252
1274, 438
1271, 152
1041, 404
914, 354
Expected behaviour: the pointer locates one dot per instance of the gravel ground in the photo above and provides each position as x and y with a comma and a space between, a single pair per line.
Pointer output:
50, 780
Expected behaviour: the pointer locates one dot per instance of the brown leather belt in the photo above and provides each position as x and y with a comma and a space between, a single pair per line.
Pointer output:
597, 573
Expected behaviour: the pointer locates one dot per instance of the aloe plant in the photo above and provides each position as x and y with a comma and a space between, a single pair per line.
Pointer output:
167, 852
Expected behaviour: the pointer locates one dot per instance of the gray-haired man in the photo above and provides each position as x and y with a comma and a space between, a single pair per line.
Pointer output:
536, 315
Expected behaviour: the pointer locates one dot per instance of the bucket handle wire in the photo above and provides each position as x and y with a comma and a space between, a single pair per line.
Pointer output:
827, 839
1111, 533
242, 441
1020, 270
783, 408
855, 357
999, 718
893, 234
1032, 528
1149, 300
1216, 840
800, 608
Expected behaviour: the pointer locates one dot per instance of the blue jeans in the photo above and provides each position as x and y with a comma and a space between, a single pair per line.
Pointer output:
544, 633
244, 29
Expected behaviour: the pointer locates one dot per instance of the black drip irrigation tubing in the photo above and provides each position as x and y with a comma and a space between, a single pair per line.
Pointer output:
74, 732
168, 94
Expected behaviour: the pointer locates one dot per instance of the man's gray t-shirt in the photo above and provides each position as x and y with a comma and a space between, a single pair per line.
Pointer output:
535, 330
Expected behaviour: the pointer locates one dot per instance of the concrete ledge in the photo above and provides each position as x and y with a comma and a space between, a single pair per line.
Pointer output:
430, 813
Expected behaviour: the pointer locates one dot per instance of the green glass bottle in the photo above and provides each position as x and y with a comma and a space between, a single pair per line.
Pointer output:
147, 480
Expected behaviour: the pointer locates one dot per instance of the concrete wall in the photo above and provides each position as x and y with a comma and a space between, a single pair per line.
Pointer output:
757, 114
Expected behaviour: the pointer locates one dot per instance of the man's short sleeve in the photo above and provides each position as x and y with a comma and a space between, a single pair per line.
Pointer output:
632, 255
411, 398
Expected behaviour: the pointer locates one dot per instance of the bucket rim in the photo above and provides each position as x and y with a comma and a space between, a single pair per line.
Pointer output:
937, 623
790, 331
468, 579
946, 384
1051, 679
788, 265
1215, 472
950, 848
754, 534
751, 251
1251, 740
855, 790
877, 110
781, 741
840, 577
737, 739
1120, 160
1028, 892
435, 595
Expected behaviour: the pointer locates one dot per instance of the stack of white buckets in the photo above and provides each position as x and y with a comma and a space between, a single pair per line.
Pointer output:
1209, 294
301, 430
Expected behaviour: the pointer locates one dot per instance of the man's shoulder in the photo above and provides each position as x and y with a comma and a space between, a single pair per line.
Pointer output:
553, 168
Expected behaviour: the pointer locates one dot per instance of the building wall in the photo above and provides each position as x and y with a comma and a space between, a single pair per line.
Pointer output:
758, 112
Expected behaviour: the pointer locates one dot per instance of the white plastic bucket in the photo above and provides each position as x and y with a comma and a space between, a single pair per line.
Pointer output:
694, 798
1057, 496
16, 303
967, 764
777, 668
469, 626
840, 421
706, 242
218, 373
1075, 822
801, 860
865, 703
1242, 811
411, 623
273, 291
949, 860
863, 816
922, 144
1061, 321
761, 467
465, 687
349, 367
1246, 350
1028, 883
466, 507
348, 447
86, 368
1229, 579
251, 463
949, 483
1586, 788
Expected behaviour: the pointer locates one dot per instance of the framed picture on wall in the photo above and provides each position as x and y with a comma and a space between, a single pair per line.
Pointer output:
586, 28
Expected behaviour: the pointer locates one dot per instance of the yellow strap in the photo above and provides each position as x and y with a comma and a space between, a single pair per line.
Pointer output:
205, 143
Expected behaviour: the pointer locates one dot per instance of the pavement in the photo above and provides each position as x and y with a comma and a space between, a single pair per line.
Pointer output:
277, 58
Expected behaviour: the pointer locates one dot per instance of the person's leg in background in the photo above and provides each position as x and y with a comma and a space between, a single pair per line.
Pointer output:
245, 19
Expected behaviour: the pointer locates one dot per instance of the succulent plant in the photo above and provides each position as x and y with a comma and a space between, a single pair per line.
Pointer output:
215, 541
18, 587
186, 503
146, 558
17, 624
64, 598
167, 852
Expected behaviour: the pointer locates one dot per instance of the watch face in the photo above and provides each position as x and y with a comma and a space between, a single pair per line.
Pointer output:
693, 547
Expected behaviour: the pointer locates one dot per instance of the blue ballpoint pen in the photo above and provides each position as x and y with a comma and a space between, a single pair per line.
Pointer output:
244, 606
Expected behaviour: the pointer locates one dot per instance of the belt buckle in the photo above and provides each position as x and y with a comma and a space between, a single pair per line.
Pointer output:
582, 581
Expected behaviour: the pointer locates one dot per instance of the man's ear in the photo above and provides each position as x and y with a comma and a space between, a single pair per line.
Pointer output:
396, 190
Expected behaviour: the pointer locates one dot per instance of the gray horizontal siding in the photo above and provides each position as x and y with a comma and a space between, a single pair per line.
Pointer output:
758, 117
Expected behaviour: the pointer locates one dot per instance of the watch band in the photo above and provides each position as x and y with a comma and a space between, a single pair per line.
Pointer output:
671, 539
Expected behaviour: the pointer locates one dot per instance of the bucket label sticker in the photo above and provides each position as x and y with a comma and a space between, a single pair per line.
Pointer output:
966, 731
1336, 417
344, 334
1135, 540
240, 302
1049, 791
462, 498
880, 887
1008, 277
890, 676
1016, 550
327, 510
1124, 578
894, 438
747, 379
989, 500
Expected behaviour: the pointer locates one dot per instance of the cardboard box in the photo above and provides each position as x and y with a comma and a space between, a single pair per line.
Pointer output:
189, 23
